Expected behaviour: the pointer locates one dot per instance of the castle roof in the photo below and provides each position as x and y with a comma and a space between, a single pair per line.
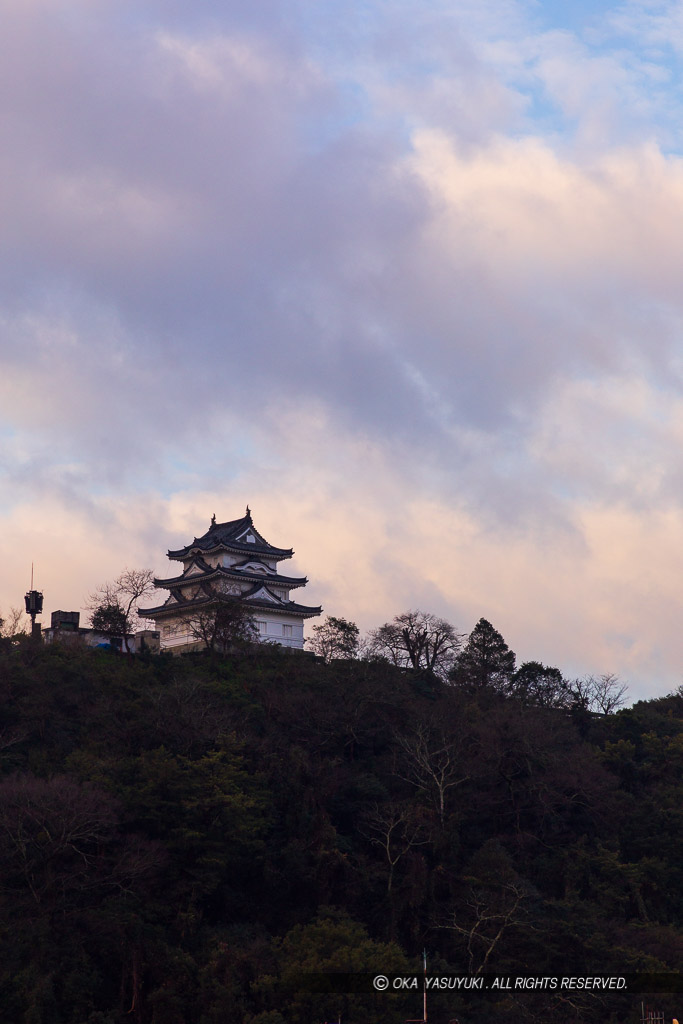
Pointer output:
238, 535
251, 569
258, 597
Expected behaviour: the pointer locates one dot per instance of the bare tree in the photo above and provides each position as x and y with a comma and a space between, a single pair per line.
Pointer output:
10, 737
396, 829
487, 914
123, 594
609, 693
434, 763
418, 640
13, 624
51, 830
602, 695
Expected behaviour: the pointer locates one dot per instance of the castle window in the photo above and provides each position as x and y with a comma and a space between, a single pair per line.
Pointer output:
286, 630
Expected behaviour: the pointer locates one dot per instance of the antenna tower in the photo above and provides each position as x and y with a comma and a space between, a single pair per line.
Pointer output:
34, 606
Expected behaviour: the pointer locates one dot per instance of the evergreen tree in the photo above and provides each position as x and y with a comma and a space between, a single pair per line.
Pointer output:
110, 620
485, 661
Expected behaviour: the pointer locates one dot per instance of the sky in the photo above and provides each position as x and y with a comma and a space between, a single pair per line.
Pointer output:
405, 277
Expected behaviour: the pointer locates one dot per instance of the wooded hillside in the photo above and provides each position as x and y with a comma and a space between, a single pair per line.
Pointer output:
180, 838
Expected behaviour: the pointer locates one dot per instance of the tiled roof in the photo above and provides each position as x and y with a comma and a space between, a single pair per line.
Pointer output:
226, 535
290, 608
231, 572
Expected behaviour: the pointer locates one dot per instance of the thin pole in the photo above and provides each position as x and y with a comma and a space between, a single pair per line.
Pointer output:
424, 1011
33, 612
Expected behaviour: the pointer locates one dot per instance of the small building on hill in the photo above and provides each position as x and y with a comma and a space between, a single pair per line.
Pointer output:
65, 628
230, 560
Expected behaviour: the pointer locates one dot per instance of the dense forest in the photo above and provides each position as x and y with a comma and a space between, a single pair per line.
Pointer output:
183, 839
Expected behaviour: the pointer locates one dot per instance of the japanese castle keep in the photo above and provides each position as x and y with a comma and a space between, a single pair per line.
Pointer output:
231, 559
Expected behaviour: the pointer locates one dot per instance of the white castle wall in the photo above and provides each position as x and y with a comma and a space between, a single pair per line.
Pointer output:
288, 631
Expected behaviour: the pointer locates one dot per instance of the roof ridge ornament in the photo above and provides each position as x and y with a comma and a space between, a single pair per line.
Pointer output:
213, 519
235, 536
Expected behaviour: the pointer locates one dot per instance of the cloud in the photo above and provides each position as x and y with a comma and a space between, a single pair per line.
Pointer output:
405, 278
600, 597
653, 22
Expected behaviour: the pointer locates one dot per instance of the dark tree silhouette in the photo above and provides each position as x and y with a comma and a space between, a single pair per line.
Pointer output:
417, 640
223, 624
602, 695
535, 683
485, 661
110, 620
123, 593
334, 638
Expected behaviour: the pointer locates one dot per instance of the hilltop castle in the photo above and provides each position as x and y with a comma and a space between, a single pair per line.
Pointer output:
231, 559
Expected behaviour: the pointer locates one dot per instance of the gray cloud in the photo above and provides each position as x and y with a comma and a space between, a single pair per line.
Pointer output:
267, 242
